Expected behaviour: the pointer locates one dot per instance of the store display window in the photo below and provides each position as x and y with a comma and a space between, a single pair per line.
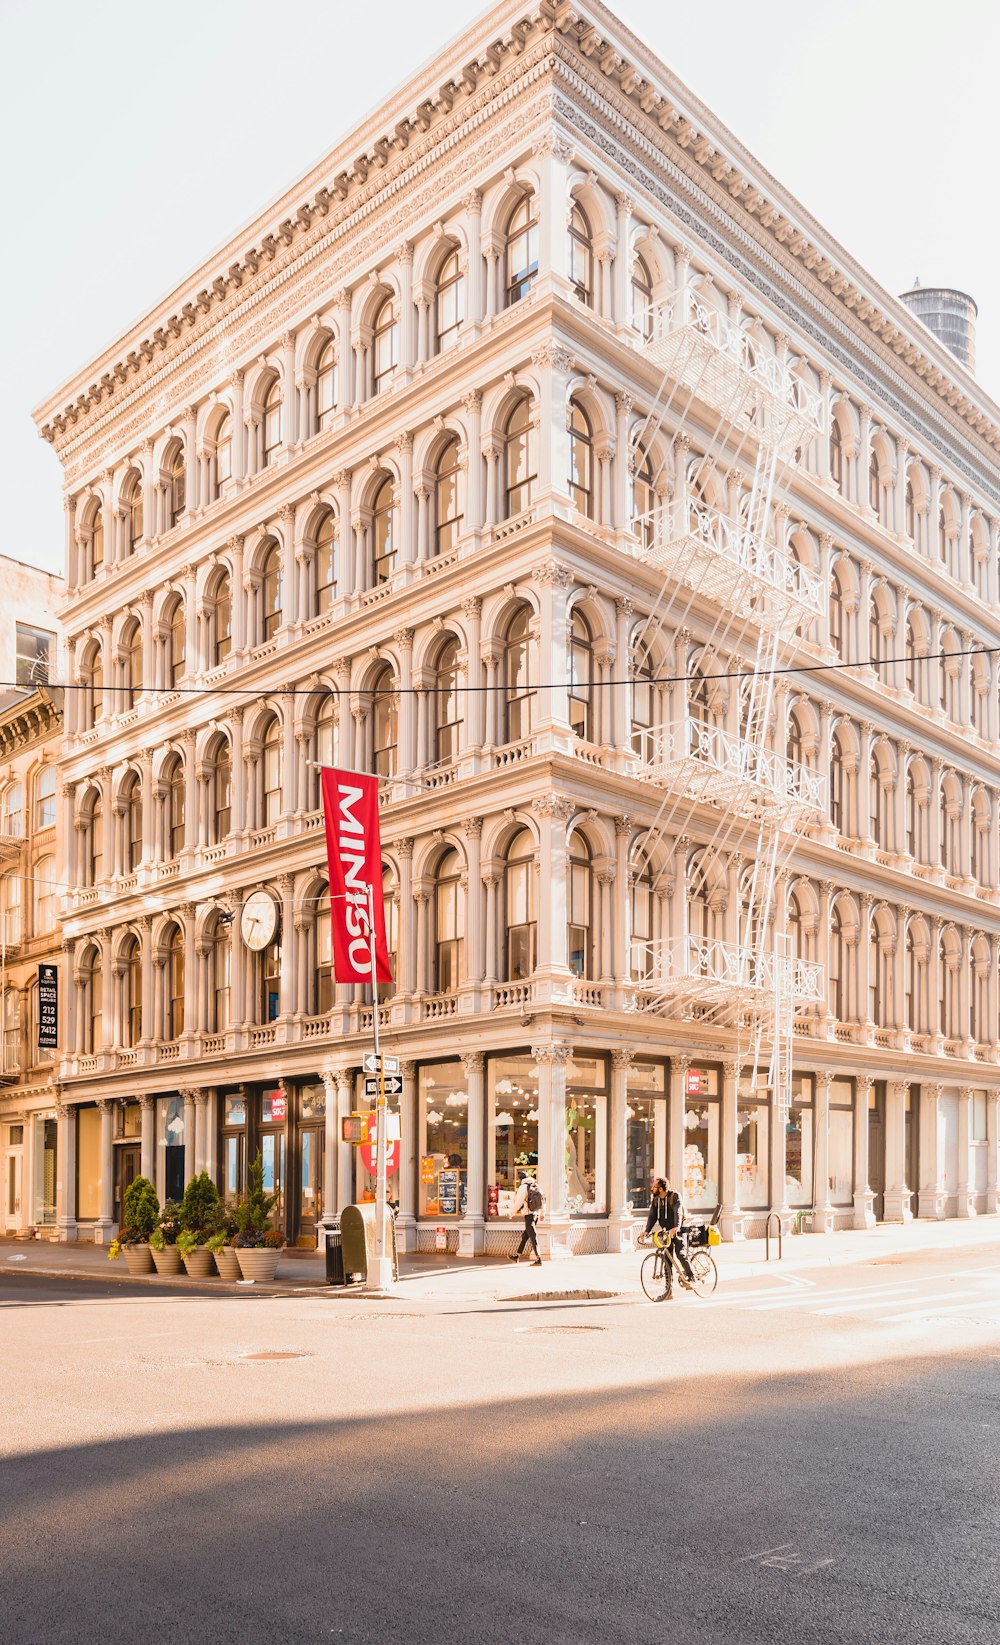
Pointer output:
511, 1129
171, 1115
645, 1130
313, 1102
88, 1164
234, 1143
702, 1133
586, 1120
799, 1142
841, 1141
752, 1176
443, 1139
44, 1153
128, 1120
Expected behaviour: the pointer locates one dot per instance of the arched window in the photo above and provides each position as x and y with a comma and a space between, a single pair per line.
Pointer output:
911, 983
175, 983
839, 790
449, 924
271, 422
699, 691
796, 932
221, 618
642, 700
327, 386
91, 999
44, 911
95, 683
642, 297
326, 732
271, 767
912, 821
269, 976
177, 644
95, 841
520, 899
323, 979
910, 657
220, 956
449, 301
11, 1030
10, 908
580, 906
133, 513
222, 792
385, 345
271, 592
581, 676
837, 614
223, 454
581, 460
97, 542
390, 901
700, 913
132, 666
45, 798
581, 254
520, 250
641, 895
838, 967
131, 956
132, 802
383, 532
942, 536
518, 661
176, 486
12, 811
874, 483
520, 458
879, 975
385, 723
447, 703
447, 508
175, 800
910, 513
325, 562
643, 502
874, 633
836, 456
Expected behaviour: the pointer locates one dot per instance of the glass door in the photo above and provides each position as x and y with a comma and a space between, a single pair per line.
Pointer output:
310, 1184
12, 1197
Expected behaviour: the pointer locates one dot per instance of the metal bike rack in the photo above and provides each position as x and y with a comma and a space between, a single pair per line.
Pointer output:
767, 1235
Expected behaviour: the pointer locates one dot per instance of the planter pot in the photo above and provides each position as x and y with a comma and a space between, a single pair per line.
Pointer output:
138, 1259
228, 1263
167, 1261
199, 1263
259, 1263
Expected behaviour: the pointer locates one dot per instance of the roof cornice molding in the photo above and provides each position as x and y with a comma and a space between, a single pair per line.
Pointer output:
658, 100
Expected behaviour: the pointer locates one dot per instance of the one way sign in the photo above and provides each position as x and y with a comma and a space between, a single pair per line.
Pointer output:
369, 1063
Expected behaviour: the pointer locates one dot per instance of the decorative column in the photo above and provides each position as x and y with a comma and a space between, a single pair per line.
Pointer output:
621, 1228
473, 204
147, 1144
190, 1167
66, 1171
897, 1194
331, 1138
104, 1227
472, 1228
864, 1199
623, 259
824, 1218
673, 1166
345, 1150
966, 1169
731, 1217
931, 1198
406, 1218
554, 1230
992, 1156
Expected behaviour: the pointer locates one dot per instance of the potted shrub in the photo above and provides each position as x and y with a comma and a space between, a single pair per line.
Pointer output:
198, 1219
226, 1256
258, 1245
139, 1215
163, 1239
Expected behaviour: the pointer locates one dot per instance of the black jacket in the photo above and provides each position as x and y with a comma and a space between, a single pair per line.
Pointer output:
665, 1211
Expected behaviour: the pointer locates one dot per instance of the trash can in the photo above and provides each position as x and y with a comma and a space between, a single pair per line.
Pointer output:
358, 1229
334, 1255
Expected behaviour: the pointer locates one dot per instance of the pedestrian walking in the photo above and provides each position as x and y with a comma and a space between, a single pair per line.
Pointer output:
531, 1201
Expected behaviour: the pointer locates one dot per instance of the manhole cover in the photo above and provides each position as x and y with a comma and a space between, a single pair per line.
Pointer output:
274, 1356
553, 1328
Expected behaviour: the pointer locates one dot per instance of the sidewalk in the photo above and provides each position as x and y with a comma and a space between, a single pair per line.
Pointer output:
429, 1278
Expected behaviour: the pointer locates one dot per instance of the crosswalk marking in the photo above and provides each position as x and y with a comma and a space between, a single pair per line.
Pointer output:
899, 1302
845, 1295
877, 1302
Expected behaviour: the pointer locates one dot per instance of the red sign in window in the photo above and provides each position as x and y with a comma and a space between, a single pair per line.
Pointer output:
694, 1082
279, 1104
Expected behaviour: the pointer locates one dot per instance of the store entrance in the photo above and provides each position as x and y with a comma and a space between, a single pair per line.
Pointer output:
12, 1188
912, 1146
311, 1142
876, 1148
127, 1168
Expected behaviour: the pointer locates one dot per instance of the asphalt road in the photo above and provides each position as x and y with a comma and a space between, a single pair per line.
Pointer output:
801, 1460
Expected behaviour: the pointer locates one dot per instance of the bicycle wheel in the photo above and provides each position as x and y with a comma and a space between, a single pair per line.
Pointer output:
704, 1274
655, 1276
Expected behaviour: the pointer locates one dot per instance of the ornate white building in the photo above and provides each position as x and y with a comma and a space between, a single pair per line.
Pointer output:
415, 476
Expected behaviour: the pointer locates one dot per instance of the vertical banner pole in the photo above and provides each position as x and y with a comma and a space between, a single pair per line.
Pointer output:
380, 1111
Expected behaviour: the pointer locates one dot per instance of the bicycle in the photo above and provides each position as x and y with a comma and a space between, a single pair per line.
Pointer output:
656, 1272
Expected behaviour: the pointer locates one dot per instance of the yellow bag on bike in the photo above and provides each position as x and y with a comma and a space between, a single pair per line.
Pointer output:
714, 1237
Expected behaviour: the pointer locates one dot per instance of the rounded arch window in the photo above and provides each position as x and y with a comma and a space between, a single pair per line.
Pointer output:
132, 799
326, 732
11, 1030
449, 301
518, 660
837, 613
520, 458
836, 456
45, 895
581, 254
131, 956
642, 699
177, 643
272, 420
449, 923
95, 839
95, 682
581, 676
271, 592
92, 1004
642, 297
97, 541
327, 386
581, 459
175, 805
176, 485
223, 455
272, 774
447, 506
221, 613
385, 345
910, 512
323, 980
133, 666
520, 250
222, 791
175, 977
133, 513
641, 895
45, 797
384, 531
447, 702
221, 958
12, 811
794, 925
385, 723
10, 907
580, 902
874, 482
521, 906
390, 900
643, 500
325, 561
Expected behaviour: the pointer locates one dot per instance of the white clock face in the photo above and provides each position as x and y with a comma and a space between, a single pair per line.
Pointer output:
259, 920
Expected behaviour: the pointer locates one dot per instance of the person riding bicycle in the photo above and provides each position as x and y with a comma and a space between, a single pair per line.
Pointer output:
667, 1212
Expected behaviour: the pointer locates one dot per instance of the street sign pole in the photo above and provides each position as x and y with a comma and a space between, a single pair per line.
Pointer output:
383, 1277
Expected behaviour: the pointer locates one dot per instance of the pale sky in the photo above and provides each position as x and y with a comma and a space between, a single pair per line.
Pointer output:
135, 139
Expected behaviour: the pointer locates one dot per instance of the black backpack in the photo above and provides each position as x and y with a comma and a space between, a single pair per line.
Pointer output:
534, 1198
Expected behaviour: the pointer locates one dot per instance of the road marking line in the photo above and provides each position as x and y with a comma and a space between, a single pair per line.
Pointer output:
855, 1291
853, 1308
953, 1308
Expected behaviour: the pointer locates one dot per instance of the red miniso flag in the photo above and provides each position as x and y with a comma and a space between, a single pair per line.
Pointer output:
354, 853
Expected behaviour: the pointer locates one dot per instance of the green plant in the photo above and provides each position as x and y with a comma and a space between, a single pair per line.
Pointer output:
156, 1240
187, 1241
254, 1208
140, 1211
215, 1242
199, 1211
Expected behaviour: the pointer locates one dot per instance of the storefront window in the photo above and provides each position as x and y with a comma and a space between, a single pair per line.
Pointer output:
443, 1143
130, 1120
234, 1143
43, 1210
88, 1164
512, 1129
751, 1149
273, 1108
841, 1141
701, 1139
313, 1102
645, 1131
172, 1114
799, 1143
586, 1117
